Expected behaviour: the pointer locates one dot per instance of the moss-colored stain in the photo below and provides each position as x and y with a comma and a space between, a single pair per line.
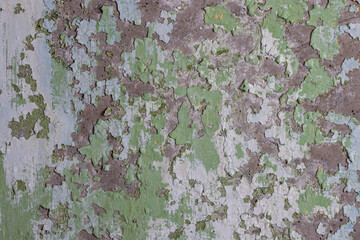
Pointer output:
322, 177
239, 152
107, 24
275, 44
17, 217
317, 81
220, 15
308, 200
25, 126
98, 148
324, 40
18, 9
183, 132
290, 10
206, 152
59, 84
25, 72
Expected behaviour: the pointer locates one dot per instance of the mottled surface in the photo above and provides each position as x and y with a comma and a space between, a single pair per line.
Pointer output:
155, 119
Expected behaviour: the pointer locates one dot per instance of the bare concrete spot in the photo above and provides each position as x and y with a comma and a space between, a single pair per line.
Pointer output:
299, 40
236, 8
273, 68
98, 210
113, 180
241, 43
296, 79
347, 17
252, 167
128, 33
308, 228
83, 188
89, 118
107, 66
345, 197
137, 88
44, 212
189, 27
171, 151
348, 48
86, 220
343, 99
335, 223
356, 233
150, 10
84, 235
328, 156
322, 3
326, 127
54, 179
255, 130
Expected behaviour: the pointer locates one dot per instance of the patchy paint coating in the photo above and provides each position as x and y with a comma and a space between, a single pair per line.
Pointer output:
179, 120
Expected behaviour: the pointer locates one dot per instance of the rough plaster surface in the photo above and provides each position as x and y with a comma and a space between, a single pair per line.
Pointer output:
155, 119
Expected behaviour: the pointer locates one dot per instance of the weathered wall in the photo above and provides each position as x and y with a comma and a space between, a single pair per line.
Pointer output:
144, 119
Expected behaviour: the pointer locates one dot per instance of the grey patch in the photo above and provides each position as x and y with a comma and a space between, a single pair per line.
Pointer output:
353, 29
347, 66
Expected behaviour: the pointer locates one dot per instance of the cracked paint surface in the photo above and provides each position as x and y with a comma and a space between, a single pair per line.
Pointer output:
179, 119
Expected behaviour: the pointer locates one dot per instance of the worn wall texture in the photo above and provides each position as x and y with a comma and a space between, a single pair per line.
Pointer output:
179, 119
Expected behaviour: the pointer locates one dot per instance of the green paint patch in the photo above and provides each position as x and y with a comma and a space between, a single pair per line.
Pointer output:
206, 152
127, 214
107, 24
82, 177
279, 87
251, 5
311, 133
204, 148
322, 178
329, 15
239, 152
245, 86
223, 75
211, 120
180, 91
144, 63
136, 130
308, 200
130, 174
25, 72
59, 84
197, 94
18, 100
269, 164
221, 51
275, 44
20, 185
317, 81
290, 10
25, 126
183, 132
324, 40
264, 179
18, 9
176, 234
17, 217
158, 121
221, 16
99, 146
61, 216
